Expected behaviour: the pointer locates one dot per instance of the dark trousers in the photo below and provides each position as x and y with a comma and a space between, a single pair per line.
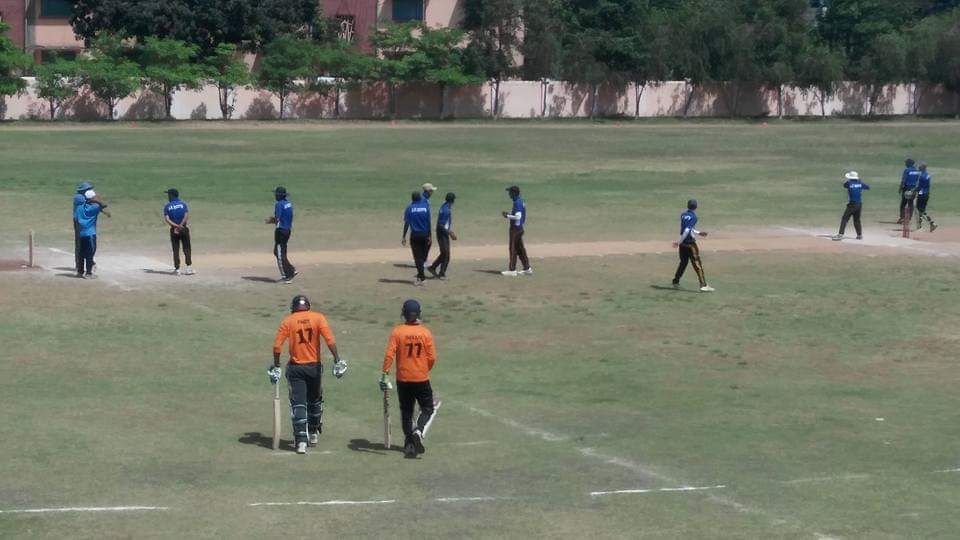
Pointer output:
280, 239
306, 398
410, 393
853, 210
77, 255
88, 248
690, 253
517, 249
906, 206
420, 246
443, 260
922, 201
178, 240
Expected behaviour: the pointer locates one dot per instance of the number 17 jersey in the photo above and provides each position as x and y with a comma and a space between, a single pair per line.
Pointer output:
411, 345
303, 329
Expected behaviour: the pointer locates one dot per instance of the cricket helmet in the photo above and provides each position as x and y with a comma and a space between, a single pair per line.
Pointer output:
514, 190
411, 310
909, 162
280, 191
173, 191
299, 303
84, 187
451, 197
692, 204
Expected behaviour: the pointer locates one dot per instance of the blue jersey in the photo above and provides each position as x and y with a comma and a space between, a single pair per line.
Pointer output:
925, 183
445, 218
78, 200
855, 190
283, 211
519, 209
176, 210
86, 216
688, 223
909, 178
417, 216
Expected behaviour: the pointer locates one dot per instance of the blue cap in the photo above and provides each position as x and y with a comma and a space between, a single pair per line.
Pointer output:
84, 187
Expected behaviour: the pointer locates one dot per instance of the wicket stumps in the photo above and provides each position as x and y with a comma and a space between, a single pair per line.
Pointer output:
30, 261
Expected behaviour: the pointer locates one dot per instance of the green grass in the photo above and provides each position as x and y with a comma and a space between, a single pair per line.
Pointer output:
584, 378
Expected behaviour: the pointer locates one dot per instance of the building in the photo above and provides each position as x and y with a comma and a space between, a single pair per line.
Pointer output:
47, 29
12, 14
360, 18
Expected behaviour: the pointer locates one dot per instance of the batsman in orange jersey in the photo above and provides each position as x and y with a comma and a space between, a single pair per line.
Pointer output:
411, 346
304, 328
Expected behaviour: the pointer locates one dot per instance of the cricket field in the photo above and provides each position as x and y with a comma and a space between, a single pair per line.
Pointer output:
812, 396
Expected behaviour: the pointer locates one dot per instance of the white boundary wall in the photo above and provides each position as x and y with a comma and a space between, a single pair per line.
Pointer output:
518, 99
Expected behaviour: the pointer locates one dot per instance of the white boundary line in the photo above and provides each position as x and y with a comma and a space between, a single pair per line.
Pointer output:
949, 470
661, 490
84, 509
470, 499
321, 503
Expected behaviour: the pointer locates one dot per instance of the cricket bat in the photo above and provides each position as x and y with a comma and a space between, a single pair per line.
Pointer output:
277, 416
386, 419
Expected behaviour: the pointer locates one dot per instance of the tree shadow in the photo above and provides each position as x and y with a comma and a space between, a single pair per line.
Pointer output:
259, 279
364, 445
264, 441
397, 281
671, 289
161, 272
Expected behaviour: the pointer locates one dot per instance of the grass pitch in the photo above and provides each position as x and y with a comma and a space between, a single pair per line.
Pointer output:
818, 389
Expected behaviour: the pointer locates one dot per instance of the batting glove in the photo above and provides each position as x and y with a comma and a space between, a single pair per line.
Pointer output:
385, 382
274, 373
339, 368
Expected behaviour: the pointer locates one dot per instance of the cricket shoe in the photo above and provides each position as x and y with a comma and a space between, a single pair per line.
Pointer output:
510, 273
314, 438
176, 271
89, 275
442, 277
933, 227
302, 447
433, 271
409, 450
189, 271
418, 282
707, 288
859, 237
527, 272
837, 237
418, 441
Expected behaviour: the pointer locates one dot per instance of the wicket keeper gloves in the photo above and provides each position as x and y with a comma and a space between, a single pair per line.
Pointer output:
274, 373
385, 382
339, 368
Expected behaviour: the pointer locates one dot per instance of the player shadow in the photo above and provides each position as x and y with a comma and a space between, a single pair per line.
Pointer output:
494, 272
397, 281
259, 439
671, 289
259, 279
65, 269
69, 274
888, 223
404, 265
161, 272
364, 445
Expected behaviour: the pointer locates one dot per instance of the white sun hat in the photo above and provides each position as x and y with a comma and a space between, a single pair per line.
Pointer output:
852, 175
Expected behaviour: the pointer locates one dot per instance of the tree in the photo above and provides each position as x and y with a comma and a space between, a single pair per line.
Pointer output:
821, 68
204, 23
13, 62
393, 42
226, 69
541, 42
169, 65
57, 81
108, 73
853, 26
883, 63
780, 34
945, 66
344, 67
494, 27
286, 62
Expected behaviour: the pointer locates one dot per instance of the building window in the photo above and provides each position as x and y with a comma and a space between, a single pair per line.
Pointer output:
47, 55
407, 10
56, 8
347, 30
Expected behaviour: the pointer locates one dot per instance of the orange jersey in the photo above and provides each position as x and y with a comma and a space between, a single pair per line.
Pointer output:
411, 345
303, 329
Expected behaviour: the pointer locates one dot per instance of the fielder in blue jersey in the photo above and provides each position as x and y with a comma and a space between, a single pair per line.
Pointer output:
176, 215
78, 200
444, 235
909, 180
283, 218
517, 250
86, 216
923, 197
854, 187
688, 248
416, 219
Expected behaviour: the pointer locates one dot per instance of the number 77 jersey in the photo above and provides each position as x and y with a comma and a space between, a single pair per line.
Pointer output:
411, 345
303, 329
